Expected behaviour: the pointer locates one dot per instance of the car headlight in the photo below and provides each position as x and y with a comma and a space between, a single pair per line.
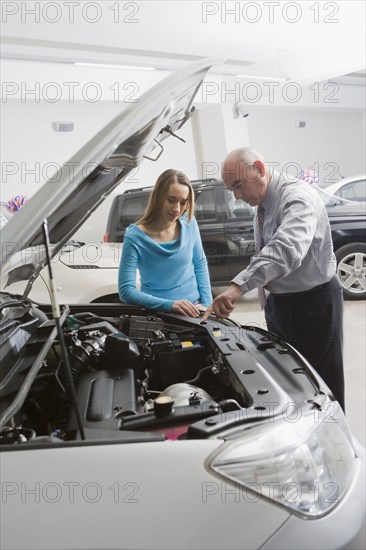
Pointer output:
304, 464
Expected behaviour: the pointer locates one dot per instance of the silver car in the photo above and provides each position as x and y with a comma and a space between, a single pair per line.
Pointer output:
125, 428
352, 188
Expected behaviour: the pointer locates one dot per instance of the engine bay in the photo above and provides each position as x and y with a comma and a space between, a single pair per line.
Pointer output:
137, 375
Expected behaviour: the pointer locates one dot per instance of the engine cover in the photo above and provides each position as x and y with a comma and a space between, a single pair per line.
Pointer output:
103, 394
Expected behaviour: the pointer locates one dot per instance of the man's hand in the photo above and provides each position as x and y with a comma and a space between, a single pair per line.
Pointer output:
224, 304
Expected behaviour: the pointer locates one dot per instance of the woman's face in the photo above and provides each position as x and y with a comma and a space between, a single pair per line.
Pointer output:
175, 202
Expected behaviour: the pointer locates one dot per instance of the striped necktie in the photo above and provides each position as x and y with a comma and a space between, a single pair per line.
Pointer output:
258, 246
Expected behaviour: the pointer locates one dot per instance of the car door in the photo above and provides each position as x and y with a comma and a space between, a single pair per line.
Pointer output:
239, 232
209, 215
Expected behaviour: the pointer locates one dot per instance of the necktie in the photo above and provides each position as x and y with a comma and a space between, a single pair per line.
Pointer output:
258, 246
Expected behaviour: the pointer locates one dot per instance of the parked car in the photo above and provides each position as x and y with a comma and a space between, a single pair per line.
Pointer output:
120, 428
87, 272
353, 189
83, 273
226, 227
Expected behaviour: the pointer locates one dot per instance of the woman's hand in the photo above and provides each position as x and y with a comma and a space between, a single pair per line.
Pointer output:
185, 307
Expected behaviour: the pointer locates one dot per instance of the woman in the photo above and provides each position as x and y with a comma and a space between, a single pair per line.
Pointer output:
165, 246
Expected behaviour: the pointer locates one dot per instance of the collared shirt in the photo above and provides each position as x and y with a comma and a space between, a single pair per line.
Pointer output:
298, 249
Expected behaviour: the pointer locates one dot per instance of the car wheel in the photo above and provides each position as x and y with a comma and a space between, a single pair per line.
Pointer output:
351, 269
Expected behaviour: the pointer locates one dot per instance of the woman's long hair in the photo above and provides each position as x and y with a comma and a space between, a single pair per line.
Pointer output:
160, 192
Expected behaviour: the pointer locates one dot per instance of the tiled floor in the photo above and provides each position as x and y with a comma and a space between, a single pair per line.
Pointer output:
248, 311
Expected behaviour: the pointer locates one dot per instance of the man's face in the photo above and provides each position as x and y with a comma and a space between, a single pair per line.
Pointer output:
247, 182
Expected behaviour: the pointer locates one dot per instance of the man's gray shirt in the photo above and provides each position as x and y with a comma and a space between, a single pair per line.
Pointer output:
298, 250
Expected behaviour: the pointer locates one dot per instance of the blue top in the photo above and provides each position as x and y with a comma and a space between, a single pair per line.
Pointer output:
170, 271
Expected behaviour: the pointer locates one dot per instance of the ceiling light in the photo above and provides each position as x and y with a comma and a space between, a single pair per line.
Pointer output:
115, 66
261, 77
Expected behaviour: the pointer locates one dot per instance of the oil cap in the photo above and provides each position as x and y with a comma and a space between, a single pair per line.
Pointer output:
163, 405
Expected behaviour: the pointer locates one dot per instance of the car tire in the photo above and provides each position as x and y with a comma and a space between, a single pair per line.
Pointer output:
351, 270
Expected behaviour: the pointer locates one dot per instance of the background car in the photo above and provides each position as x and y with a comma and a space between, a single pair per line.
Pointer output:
135, 430
352, 189
83, 273
227, 232
87, 272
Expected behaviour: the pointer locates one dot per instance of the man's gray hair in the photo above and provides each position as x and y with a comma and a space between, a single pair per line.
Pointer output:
242, 156
247, 155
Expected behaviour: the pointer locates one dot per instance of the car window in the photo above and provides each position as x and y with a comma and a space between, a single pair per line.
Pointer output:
355, 190
133, 207
205, 205
237, 209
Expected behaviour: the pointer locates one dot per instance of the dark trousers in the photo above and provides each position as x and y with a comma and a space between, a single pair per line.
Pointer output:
312, 322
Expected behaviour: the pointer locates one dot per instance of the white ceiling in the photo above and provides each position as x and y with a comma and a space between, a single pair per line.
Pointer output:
302, 41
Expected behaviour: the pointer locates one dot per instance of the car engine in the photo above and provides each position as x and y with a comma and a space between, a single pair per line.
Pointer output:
138, 375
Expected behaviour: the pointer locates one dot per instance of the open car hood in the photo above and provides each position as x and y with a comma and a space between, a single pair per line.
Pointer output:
136, 133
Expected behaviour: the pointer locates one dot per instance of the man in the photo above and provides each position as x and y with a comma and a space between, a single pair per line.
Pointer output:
294, 261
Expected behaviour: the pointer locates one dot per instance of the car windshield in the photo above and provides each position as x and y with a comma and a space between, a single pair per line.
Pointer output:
329, 200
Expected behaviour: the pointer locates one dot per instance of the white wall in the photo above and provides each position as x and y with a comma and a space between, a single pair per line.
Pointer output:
216, 132
32, 151
333, 140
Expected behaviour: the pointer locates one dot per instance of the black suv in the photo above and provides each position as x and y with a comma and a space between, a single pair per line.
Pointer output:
226, 227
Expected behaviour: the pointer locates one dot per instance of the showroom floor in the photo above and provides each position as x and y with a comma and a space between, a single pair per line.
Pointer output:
248, 312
